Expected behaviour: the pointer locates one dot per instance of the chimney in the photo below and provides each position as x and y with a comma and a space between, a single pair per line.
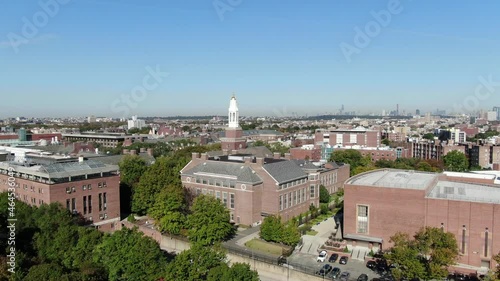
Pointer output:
276, 155
125, 151
133, 152
142, 150
195, 155
287, 156
259, 161
204, 156
150, 151
80, 158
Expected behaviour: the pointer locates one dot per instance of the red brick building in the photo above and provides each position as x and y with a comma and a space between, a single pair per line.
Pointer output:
255, 187
87, 187
379, 203
359, 136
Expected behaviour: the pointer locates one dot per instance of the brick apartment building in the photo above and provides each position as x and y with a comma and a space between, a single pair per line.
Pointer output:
358, 136
379, 203
87, 187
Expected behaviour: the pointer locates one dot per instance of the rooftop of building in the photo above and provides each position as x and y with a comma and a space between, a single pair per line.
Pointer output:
469, 192
392, 178
232, 170
59, 170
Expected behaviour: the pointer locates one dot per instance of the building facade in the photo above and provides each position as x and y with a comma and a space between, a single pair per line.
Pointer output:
84, 187
379, 203
256, 187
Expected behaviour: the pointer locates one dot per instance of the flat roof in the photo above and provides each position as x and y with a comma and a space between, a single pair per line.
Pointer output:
391, 178
469, 192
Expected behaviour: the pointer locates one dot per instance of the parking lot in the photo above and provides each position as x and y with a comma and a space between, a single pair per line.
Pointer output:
308, 264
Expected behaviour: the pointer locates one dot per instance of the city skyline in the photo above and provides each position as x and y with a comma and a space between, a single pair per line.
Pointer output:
278, 59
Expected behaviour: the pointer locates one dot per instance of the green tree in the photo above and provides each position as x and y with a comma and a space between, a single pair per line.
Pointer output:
128, 255
209, 221
169, 210
271, 229
353, 158
386, 142
132, 167
195, 264
164, 172
428, 136
427, 256
290, 233
324, 195
48, 272
456, 161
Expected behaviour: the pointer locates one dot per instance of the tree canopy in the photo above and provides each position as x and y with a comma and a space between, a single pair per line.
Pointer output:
209, 221
426, 256
456, 161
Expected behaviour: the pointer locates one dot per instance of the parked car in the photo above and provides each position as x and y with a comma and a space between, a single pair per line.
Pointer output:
333, 258
325, 270
371, 265
322, 256
343, 260
334, 274
344, 276
363, 277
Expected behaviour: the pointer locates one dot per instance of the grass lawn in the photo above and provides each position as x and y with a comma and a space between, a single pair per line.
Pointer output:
311, 232
263, 246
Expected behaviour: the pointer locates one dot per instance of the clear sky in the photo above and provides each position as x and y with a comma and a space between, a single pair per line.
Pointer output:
82, 57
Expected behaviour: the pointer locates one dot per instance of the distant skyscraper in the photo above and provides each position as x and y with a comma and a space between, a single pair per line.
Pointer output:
417, 112
497, 109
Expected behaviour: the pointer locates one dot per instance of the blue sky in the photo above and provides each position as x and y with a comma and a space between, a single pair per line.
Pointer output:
279, 57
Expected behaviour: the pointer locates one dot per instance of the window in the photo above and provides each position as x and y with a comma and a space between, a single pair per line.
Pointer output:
73, 189
312, 191
300, 197
204, 182
104, 184
231, 184
211, 192
486, 242
99, 185
362, 219
100, 202
281, 202
90, 203
104, 200
286, 201
89, 187
198, 191
84, 205
84, 187
217, 195
290, 199
231, 200
204, 191
224, 198
67, 204
464, 232
198, 180
73, 204
68, 189
295, 198
217, 183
